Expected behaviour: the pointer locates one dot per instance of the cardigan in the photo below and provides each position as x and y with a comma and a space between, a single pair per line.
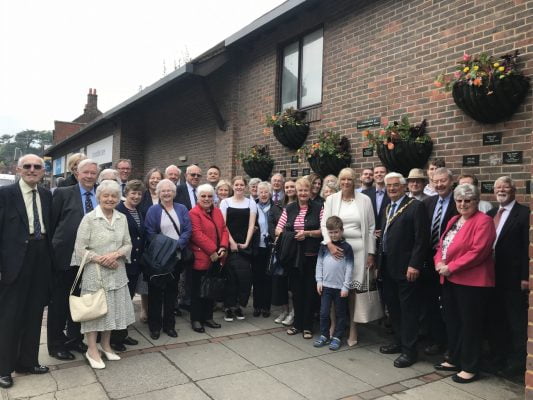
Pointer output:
152, 223
469, 255
203, 241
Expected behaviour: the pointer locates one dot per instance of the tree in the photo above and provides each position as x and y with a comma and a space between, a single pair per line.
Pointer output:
27, 141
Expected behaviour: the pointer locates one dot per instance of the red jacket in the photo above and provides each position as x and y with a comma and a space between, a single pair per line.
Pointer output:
204, 236
469, 256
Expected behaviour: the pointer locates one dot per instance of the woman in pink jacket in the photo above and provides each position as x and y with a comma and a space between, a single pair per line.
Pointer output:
466, 267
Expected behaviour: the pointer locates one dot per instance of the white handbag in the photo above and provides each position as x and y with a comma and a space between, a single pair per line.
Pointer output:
368, 305
91, 305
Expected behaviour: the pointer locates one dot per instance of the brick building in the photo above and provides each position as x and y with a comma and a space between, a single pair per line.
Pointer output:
362, 58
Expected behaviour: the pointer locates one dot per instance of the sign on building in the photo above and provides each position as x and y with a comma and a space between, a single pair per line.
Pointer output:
101, 151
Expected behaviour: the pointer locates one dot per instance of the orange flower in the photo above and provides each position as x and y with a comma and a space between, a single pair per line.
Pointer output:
478, 82
437, 84
390, 145
266, 131
383, 132
366, 133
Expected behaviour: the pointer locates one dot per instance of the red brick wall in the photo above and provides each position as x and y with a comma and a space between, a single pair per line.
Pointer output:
63, 130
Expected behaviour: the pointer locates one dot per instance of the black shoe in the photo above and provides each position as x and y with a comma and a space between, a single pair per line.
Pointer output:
228, 315
212, 324
457, 379
62, 355
440, 367
155, 334
238, 314
266, 313
36, 369
129, 341
6, 382
257, 312
434, 349
197, 326
404, 360
118, 347
171, 332
391, 349
178, 313
80, 347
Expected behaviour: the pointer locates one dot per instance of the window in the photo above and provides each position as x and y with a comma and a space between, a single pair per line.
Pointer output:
301, 76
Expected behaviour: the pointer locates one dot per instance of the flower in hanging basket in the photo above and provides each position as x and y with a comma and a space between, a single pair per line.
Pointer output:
329, 144
256, 153
396, 131
289, 117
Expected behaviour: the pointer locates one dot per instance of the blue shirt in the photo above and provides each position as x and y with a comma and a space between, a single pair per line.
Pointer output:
445, 205
333, 273
93, 198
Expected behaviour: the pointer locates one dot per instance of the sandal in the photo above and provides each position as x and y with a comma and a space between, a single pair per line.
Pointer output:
308, 335
292, 331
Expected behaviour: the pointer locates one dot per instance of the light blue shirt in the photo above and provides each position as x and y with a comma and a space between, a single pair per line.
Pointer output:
93, 198
380, 195
445, 205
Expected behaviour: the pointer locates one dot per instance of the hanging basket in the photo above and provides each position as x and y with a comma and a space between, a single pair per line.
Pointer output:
258, 169
328, 165
292, 136
405, 156
507, 95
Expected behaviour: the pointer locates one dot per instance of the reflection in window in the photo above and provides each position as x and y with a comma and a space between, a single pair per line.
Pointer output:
289, 79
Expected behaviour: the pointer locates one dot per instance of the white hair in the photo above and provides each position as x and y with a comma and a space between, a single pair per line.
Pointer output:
507, 180
172, 167
205, 188
85, 162
22, 158
164, 182
109, 186
391, 175
108, 174
265, 185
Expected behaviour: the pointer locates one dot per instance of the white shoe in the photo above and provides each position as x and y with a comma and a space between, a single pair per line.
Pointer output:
94, 364
289, 319
110, 356
281, 317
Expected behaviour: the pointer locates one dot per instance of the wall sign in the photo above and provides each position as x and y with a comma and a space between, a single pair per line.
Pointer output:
368, 152
487, 187
101, 151
59, 166
471, 161
490, 139
367, 123
294, 173
306, 171
512, 157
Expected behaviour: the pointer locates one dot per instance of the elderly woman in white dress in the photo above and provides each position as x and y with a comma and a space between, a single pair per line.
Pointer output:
104, 239
355, 211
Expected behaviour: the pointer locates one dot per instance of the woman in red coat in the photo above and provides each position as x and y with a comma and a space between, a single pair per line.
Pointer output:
466, 267
209, 243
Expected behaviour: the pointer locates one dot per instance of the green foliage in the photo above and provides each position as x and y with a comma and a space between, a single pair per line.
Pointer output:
256, 153
27, 141
398, 131
329, 144
289, 117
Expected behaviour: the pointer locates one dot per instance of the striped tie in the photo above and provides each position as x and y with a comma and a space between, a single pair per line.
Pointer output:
435, 228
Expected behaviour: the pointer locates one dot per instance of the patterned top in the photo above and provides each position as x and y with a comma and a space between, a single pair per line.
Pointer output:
448, 238
98, 236
299, 221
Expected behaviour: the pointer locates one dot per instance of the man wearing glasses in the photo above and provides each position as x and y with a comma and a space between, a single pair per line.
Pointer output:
25, 269
124, 168
186, 193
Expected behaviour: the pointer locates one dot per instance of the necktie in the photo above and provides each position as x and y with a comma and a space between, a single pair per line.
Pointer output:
392, 210
276, 197
435, 227
194, 195
88, 202
498, 217
123, 188
36, 221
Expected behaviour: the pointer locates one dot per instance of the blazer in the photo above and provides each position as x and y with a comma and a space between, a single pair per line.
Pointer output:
152, 223
69, 181
14, 229
378, 214
137, 239
182, 196
207, 230
407, 239
469, 255
511, 249
431, 202
67, 213
145, 204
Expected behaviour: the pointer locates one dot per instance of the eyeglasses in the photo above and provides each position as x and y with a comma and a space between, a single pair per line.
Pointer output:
196, 175
35, 166
206, 196
393, 185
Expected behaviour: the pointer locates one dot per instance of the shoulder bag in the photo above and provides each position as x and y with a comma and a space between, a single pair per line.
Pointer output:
90, 306
368, 305
213, 282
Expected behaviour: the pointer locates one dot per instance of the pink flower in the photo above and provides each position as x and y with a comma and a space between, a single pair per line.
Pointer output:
457, 74
466, 57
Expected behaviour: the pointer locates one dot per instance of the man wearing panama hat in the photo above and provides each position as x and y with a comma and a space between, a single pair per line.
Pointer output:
415, 183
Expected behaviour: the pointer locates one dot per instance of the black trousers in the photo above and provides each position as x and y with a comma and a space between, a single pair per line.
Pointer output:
508, 325
262, 282
118, 336
304, 294
464, 314
431, 315
162, 297
59, 313
239, 283
403, 300
21, 309
201, 308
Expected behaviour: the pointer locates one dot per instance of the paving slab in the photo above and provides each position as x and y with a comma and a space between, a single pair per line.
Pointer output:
208, 361
265, 350
72, 377
249, 385
306, 345
45, 359
93, 391
47, 396
231, 328
491, 388
411, 383
139, 374
375, 369
187, 391
263, 323
185, 334
315, 379
31, 385
438, 390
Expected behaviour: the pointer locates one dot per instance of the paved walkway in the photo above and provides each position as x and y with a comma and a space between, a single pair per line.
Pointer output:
250, 359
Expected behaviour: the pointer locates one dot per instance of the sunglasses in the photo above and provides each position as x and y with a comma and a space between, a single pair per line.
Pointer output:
196, 175
206, 196
35, 166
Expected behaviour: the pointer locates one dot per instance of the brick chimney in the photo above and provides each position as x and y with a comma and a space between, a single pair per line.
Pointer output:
92, 99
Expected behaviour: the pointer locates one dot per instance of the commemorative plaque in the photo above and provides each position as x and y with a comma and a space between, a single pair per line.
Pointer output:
306, 171
493, 138
487, 187
368, 152
471, 160
512, 157
294, 173
369, 122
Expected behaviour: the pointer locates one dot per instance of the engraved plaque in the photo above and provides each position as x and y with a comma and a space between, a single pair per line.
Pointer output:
487, 187
471, 160
368, 122
490, 139
368, 152
512, 157
306, 171
294, 173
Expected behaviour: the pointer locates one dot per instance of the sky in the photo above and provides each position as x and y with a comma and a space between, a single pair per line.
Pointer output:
53, 51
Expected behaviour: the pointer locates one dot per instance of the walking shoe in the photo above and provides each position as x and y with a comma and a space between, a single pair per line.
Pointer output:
335, 344
257, 312
228, 315
321, 341
281, 317
289, 319
238, 313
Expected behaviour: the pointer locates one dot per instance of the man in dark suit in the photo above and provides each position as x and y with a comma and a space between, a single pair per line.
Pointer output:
403, 249
25, 269
69, 206
440, 209
186, 192
509, 303
378, 195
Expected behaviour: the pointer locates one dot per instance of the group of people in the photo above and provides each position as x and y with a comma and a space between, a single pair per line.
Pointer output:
303, 245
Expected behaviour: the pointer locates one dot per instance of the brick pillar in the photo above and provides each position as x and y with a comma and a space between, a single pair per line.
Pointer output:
529, 364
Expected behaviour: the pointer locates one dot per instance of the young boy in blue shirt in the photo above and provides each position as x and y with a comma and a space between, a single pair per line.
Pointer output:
333, 278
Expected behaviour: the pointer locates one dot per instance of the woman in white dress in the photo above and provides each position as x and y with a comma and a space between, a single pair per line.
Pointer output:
355, 211
104, 239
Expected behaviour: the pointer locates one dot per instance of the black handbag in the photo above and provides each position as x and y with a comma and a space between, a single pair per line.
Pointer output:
275, 268
213, 283
185, 256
